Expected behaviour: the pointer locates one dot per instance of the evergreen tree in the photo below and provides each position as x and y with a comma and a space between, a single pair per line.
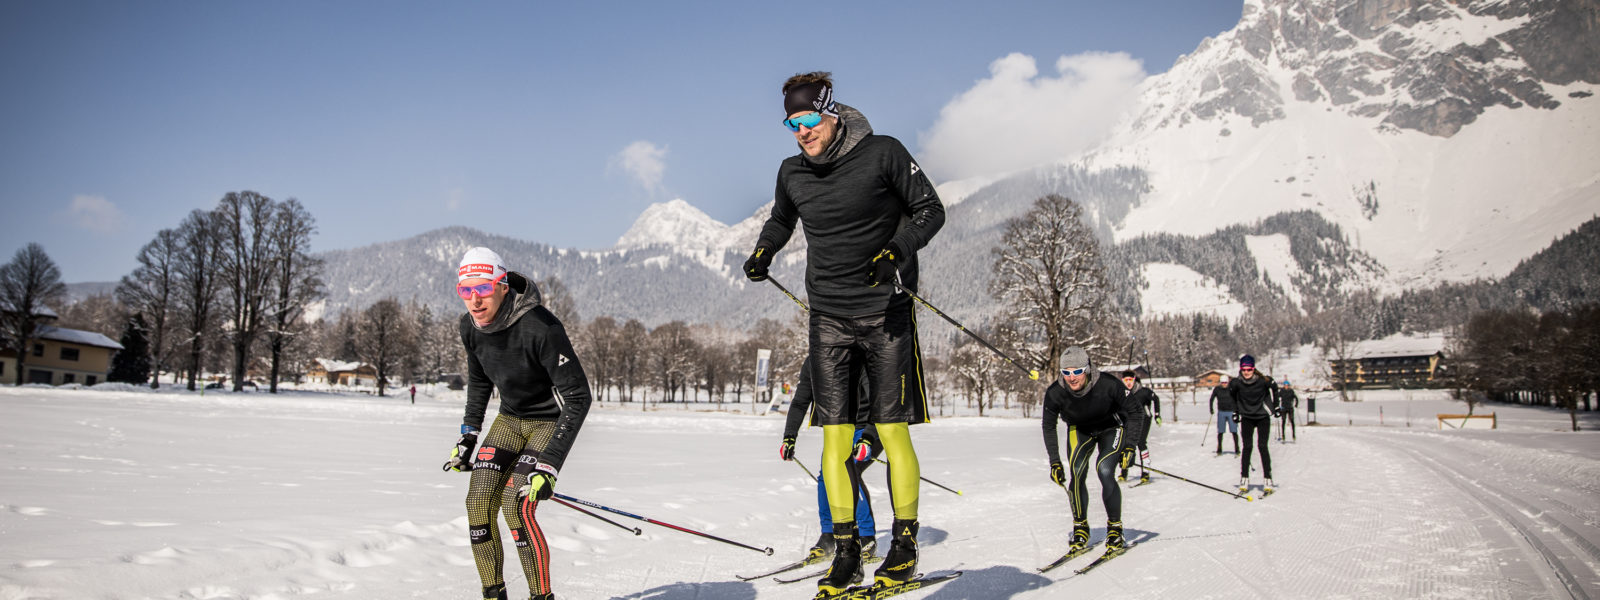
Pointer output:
132, 363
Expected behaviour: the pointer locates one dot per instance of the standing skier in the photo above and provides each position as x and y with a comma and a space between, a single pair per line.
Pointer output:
866, 448
1221, 405
1287, 402
1149, 413
514, 345
867, 208
1255, 402
1099, 414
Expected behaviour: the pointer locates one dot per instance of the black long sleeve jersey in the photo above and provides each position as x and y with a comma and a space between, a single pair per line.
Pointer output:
1105, 405
1221, 399
1149, 402
1255, 397
852, 208
538, 375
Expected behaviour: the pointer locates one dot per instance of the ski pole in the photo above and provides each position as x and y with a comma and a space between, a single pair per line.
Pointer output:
1032, 374
956, 492
635, 530
1161, 472
803, 468
708, 536
786, 292
1205, 433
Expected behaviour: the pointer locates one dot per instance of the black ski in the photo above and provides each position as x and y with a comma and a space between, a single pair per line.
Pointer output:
866, 561
1068, 556
878, 592
807, 561
1105, 558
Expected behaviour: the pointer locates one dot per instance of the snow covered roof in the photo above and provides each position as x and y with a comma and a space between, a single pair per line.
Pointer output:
41, 311
75, 336
332, 366
1399, 345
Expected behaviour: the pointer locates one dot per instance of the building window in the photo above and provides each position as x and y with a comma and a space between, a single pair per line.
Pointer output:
38, 349
39, 376
89, 380
69, 354
68, 378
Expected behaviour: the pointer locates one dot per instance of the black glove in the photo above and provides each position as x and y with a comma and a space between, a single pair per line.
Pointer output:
786, 450
1058, 473
541, 485
755, 267
1236, 417
884, 267
461, 455
1158, 421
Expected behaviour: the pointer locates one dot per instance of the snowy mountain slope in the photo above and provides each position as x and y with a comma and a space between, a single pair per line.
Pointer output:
1423, 128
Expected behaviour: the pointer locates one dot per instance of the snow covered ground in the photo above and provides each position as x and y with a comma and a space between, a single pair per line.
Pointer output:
130, 494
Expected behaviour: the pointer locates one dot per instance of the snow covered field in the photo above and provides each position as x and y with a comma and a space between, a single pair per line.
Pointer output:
131, 494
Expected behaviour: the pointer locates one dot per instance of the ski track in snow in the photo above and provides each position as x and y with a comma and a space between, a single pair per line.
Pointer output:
128, 495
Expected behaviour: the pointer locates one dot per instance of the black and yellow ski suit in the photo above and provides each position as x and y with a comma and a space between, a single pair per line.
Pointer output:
544, 397
1101, 414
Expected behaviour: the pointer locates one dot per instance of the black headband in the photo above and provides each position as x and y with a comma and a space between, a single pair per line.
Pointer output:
814, 96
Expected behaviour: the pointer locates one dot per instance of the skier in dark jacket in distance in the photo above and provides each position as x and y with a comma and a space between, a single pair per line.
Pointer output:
1255, 403
1221, 404
514, 345
1099, 414
1149, 414
1287, 403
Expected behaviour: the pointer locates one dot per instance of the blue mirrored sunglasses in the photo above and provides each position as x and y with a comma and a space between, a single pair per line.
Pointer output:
808, 120
1073, 372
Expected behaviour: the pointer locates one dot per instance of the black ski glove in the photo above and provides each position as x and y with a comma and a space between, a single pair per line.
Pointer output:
885, 268
1058, 473
755, 267
786, 450
461, 455
1236, 417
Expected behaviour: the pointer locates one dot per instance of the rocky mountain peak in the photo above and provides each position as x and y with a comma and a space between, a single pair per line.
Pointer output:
1427, 65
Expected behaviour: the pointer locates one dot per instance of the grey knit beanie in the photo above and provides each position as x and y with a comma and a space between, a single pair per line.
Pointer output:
1074, 357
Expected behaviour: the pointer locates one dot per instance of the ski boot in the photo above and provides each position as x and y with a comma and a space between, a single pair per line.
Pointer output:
1268, 488
822, 549
846, 569
869, 546
1123, 475
1114, 539
900, 565
1144, 478
544, 596
494, 592
1244, 484
1080, 538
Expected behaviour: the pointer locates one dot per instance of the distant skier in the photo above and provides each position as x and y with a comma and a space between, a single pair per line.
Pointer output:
413, 394
866, 449
1255, 402
1221, 405
514, 345
1287, 402
1099, 414
1149, 411
867, 208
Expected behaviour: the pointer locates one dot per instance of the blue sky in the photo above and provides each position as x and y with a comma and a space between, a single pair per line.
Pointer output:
389, 119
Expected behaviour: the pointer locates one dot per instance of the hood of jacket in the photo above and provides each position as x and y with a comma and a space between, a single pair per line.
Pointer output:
523, 297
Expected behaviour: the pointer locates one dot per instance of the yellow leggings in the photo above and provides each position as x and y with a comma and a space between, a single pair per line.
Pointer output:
905, 475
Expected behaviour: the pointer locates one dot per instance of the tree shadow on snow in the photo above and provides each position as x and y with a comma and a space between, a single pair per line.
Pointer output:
994, 583
712, 590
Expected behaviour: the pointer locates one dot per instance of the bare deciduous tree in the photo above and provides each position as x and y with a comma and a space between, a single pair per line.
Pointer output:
1050, 277
151, 290
27, 284
296, 280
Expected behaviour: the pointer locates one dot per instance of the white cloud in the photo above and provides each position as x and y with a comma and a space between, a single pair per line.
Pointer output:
645, 162
455, 199
94, 213
1018, 119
